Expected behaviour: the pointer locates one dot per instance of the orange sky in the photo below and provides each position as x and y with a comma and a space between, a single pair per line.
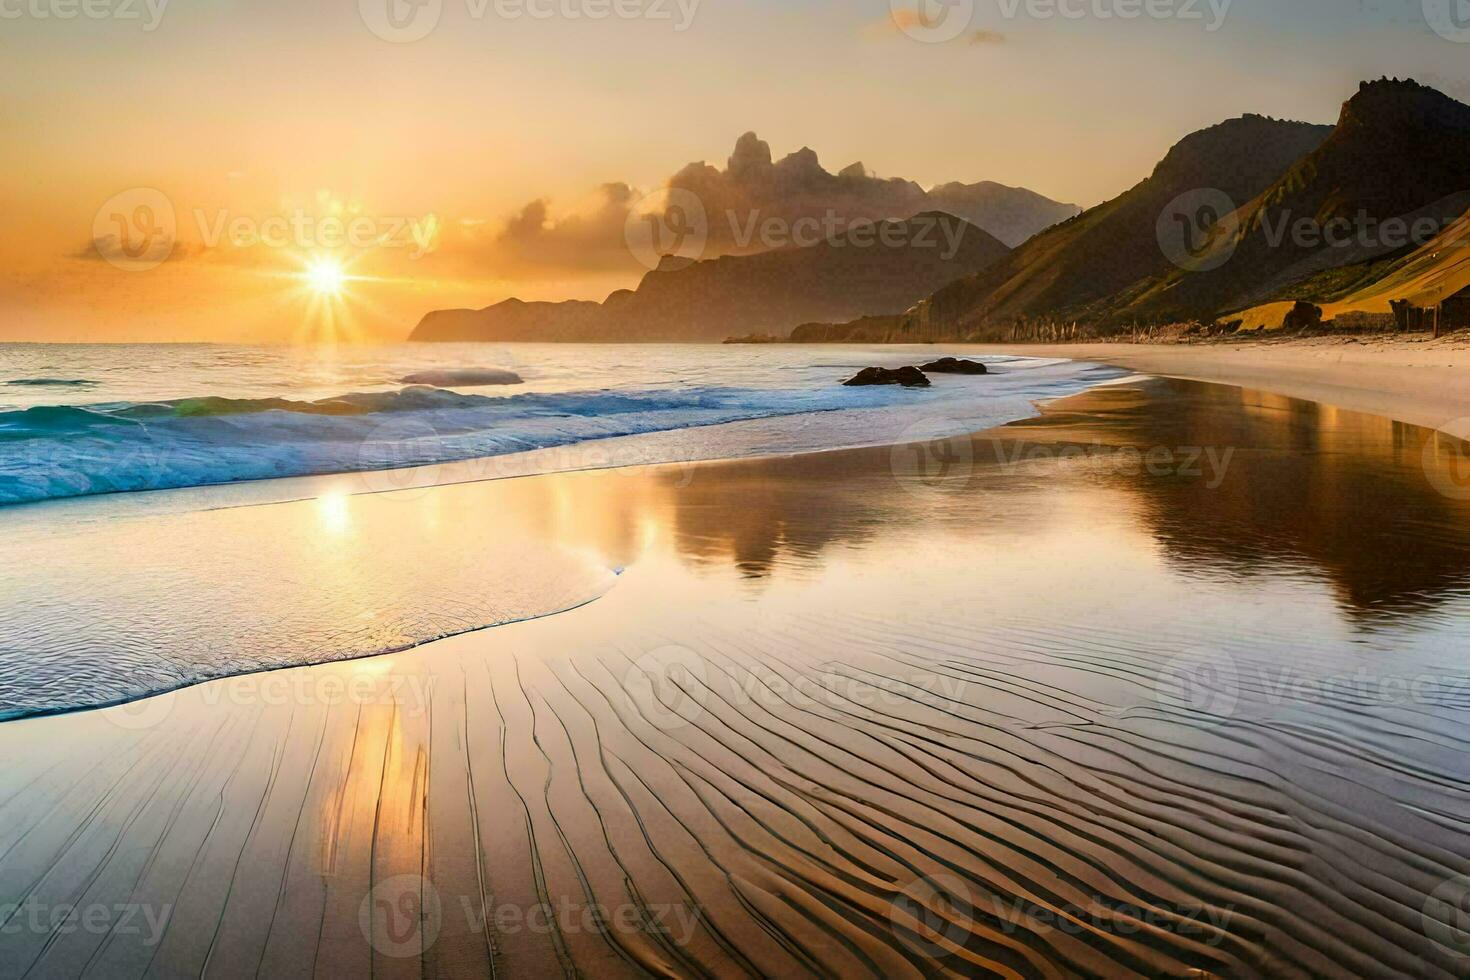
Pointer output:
249, 117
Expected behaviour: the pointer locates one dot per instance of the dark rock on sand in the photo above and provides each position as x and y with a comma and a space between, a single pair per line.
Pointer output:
1303, 316
909, 377
952, 365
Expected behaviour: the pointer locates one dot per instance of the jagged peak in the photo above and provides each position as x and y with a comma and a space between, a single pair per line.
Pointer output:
751, 155
1389, 102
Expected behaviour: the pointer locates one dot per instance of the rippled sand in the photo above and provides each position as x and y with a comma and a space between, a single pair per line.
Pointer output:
1170, 682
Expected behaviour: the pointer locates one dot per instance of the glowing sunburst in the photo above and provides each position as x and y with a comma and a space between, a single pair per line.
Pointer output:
331, 294
325, 277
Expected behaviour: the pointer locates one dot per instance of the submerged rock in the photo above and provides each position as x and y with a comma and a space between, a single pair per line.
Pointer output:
470, 378
952, 365
909, 377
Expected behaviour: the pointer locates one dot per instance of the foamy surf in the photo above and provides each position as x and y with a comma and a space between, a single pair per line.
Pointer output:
85, 447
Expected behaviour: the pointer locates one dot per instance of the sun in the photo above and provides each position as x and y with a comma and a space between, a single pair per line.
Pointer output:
326, 290
325, 277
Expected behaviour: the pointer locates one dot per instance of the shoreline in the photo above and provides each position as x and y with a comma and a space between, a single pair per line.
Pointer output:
1336, 372
1147, 361
805, 709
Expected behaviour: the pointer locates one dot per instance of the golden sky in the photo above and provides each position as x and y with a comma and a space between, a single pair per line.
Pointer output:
299, 123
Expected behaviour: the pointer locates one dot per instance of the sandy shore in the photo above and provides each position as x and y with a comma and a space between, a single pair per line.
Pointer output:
1418, 380
1168, 682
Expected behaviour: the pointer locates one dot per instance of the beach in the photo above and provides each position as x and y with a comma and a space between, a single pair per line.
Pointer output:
1413, 379
939, 499
1168, 680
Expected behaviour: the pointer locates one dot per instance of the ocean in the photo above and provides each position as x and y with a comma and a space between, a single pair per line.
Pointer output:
170, 574
83, 420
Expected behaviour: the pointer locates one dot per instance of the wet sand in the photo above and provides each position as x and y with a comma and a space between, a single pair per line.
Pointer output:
1171, 681
1411, 378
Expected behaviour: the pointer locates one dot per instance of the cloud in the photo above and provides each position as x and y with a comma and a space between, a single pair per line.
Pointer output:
539, 242
113, 249
754, 187
891, 25
535, 242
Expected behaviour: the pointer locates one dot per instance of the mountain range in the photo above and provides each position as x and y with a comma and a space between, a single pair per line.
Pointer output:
877, 268
1238, 222
751, 192
1298, 212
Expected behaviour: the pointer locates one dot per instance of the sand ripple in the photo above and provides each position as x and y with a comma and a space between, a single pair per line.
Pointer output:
821, 794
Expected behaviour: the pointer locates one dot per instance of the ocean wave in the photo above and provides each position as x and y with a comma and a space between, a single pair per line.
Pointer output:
57, 451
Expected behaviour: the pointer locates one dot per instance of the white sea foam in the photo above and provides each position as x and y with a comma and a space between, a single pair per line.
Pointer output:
682, 401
